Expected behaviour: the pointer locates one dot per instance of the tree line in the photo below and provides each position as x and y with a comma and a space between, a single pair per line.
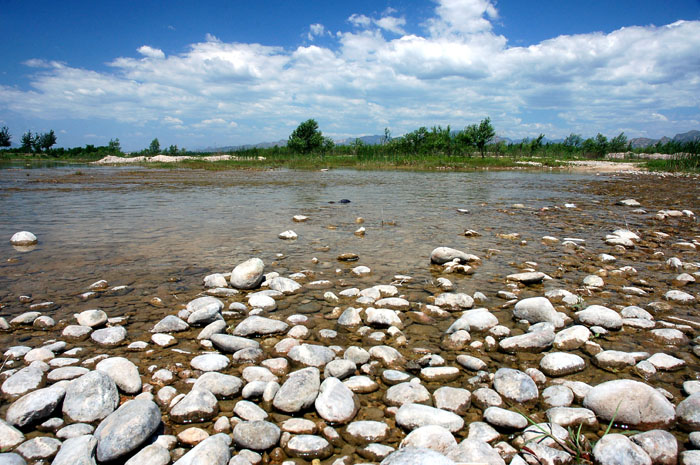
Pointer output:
307, 140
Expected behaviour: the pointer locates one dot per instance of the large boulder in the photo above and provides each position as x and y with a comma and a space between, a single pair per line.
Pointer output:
248, 275
537, 310
126, 429
91, 397
631, 403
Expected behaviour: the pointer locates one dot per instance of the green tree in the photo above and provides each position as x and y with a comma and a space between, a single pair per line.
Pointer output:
46, 140
573, 140
306, 137
114, 146
28, 141
5, 137
154, 148
172, 150
618, 143
386, 138
601, 145
484, 134
536, 143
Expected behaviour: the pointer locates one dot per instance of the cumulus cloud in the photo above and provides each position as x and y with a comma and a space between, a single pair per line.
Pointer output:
641, 79
151, 52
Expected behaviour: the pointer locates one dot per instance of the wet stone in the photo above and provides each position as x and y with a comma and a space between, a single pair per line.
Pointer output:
557, 396
688, 412
505, 418
367, 430
170, 324
39, 448
515, 385
485, 397
412, 416
309, 447
109, 336
311, 355
299, 391
212, 451
9, 436
249, 411
230, 344
536, 341
91, 397
248, 275
74, 430
336, 403
561, 364
640, 405
23, 381
475, 451
197, 406
92, 318
407, 392
259, 326
78, 450
204, 310
126, 429
452, 399
256, 435
597, 315
571, 416
661, 446
124, 373
210, 362
618, 449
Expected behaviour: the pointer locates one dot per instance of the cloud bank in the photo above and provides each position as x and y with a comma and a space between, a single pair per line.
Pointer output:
641, 80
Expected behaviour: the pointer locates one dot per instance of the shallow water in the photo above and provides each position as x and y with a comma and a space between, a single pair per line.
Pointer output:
159, 232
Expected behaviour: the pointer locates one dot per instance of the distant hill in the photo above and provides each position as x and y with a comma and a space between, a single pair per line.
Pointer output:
643, 142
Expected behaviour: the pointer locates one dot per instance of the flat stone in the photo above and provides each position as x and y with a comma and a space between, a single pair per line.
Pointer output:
536, 341
640, 405
35, 406
505, 418
74, 430
9, 436
127, 428
23, 381
91, 397
597, 315
407, 393
456, 400
109, 336
688, 412
666, 362
249, 411
39, 448
367, 430
66, 373
311, 355
210, 362
537, 310
557, 396
256, 435
212, 451
432, 437
309, 447
571, 416
197, 406
617, 449
561, 364
515, 385
204, 310
416, 456
92, 318
123, 372
442, 255
412, 416
78, 450
219, 384
475, 451
661, 446
259, 326
571, 338
170, 324
454, 301
230, 344
299, 391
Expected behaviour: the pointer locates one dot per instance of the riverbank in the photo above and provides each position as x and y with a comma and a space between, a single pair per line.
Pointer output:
569, 298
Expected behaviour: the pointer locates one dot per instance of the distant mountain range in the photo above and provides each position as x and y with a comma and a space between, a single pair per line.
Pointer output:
637, 142
643, 142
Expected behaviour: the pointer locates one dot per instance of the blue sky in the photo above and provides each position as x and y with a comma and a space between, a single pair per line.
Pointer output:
228, 73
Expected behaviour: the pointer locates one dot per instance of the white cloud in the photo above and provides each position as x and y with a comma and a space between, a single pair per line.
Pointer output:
151, 52
458, 72
360, 20
315, 30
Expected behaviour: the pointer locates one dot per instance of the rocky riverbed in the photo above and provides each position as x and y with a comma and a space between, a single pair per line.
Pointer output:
485, 352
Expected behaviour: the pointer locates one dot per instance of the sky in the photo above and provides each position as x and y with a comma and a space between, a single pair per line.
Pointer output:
221, 73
